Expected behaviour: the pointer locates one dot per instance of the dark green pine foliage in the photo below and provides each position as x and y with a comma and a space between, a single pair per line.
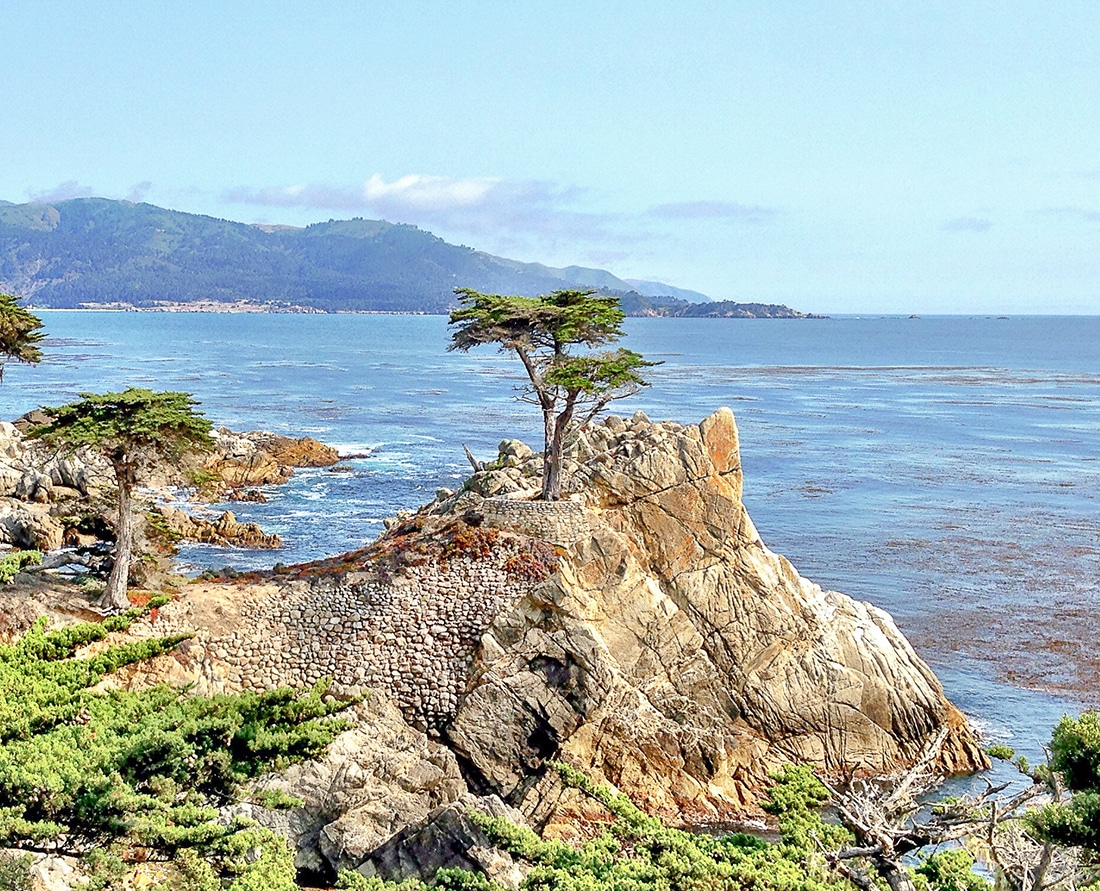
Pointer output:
83, 769
20, 333
1075, 755
138, 422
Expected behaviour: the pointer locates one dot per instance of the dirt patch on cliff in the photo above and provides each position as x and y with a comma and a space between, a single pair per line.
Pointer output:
31, 596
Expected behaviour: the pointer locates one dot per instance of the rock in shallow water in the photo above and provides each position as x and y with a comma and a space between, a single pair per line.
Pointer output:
225, 530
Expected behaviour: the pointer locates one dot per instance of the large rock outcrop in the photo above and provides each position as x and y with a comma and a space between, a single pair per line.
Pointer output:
45, 496
639, 629
260, 458
674, 655
376, 779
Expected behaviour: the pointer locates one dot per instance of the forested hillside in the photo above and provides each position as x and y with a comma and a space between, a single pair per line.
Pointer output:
98, 251
94, 251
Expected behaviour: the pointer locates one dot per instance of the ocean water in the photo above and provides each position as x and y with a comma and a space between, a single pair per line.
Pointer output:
943, 468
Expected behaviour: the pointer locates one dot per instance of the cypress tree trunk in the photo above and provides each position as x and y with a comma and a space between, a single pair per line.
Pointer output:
114, 596
551, 457
556, 428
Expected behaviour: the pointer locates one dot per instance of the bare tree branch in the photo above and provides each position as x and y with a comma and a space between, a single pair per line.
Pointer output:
470, 457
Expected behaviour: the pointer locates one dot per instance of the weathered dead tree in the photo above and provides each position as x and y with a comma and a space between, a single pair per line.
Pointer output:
891, 820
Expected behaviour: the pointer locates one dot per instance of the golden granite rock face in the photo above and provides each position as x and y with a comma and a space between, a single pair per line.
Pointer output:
677, 657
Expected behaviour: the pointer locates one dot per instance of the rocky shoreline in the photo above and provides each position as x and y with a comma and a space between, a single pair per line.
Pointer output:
639, 629
49, 501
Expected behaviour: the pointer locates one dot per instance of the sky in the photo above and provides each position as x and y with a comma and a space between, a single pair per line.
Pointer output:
839, 157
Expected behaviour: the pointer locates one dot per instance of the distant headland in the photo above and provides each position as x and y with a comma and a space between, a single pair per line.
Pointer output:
98, 253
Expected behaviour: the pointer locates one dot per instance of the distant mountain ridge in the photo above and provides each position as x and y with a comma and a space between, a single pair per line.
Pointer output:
660, 289
88, 252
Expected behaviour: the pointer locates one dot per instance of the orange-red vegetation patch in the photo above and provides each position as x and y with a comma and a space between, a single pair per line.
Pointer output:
537, 562
471, 541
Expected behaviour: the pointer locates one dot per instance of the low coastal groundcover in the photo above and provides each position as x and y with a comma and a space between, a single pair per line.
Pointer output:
110, 774
115, 777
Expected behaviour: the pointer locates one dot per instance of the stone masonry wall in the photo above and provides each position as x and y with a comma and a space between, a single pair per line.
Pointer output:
411, 636
558, 522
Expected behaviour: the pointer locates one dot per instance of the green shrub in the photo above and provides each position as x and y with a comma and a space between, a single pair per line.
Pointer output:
14, 875
12, 564
638, 852
795, 799
277, 800
354, 881
102, 771
1075, 822
1075, 753
951, 870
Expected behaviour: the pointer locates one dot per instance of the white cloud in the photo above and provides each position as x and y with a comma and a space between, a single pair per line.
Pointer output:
73, 189
475, 206
61, 192
429, 192
138, 191
508, 212
967, 224
411, 194
727, 211
525, 219
1079, 213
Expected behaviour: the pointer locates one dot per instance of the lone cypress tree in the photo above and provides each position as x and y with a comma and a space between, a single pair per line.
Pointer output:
134, 430
569, 388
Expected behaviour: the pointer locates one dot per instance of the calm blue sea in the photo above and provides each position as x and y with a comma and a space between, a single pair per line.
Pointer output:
944, 468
